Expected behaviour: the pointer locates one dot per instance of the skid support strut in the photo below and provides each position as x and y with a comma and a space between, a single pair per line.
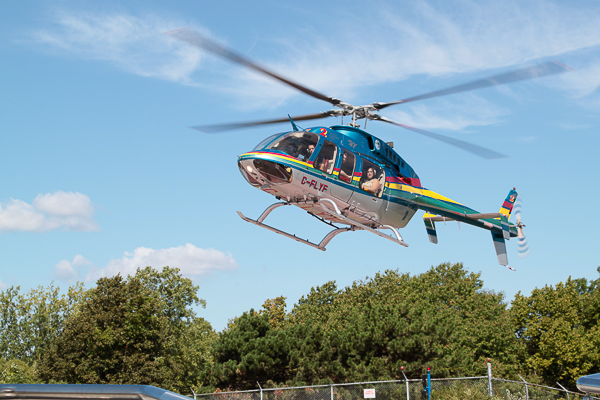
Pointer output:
354, 226
398, 239
320, 246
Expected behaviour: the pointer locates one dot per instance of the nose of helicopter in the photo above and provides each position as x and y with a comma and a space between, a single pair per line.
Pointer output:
259, 172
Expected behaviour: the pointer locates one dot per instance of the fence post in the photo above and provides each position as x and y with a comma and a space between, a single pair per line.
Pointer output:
331, 386
406, 381
260, 387
194, 393
489, 367
526, 388
428, 383
566, 391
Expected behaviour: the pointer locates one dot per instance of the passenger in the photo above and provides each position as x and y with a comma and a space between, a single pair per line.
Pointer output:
322, 164
347, 167
371, 183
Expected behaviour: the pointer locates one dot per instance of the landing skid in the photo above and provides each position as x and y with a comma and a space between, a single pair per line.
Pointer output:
354, 226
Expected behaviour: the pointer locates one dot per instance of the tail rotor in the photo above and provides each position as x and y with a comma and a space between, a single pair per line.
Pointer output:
523, 245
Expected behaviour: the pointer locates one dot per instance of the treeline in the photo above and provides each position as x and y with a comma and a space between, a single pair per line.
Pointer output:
143, 330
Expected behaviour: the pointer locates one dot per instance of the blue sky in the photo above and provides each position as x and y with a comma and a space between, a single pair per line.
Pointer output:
100, 174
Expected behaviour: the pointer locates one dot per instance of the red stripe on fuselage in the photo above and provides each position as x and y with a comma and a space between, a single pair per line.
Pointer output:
394, 179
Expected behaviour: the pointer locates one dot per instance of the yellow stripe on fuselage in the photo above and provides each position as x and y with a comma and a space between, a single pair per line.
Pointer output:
422, 192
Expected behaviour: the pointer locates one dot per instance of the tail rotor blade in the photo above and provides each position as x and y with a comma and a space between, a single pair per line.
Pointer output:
523, 245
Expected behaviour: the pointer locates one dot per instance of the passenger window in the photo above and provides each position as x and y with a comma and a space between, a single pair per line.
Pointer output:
297, 144
326, 157
347, 167
373, 179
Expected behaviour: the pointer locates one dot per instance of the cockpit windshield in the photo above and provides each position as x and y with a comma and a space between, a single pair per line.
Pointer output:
265, 142
297, 144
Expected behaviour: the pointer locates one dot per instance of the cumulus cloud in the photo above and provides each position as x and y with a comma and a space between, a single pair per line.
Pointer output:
69, 271
193, 261
50, 211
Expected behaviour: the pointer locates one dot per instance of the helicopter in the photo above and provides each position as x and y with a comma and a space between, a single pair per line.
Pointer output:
344, 175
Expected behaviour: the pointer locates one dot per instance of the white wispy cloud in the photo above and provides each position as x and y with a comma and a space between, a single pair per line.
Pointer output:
3, 285
49, 211
468, 111
134, 43
193, 261
583, 83
392, 44
388, 43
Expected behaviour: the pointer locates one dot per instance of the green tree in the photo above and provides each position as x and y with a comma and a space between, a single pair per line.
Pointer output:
133, 331
559, 327
442, 318
275, 311
17, 371
30, 322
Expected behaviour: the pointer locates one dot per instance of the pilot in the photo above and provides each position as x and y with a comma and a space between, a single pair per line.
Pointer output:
308, 152
371, 183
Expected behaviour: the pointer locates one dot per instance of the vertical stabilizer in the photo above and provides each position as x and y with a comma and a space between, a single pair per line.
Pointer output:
508, 204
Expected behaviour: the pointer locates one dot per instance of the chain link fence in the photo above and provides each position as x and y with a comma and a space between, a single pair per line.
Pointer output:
410, 389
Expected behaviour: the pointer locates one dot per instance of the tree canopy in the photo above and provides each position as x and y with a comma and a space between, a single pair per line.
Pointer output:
559, 327
133, 330
143, 329
442, 318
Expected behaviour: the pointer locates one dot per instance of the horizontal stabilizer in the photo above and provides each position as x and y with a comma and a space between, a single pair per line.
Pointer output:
436, 218
505, 227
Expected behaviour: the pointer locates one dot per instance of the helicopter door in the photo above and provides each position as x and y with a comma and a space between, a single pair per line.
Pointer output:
345, 171
367, 196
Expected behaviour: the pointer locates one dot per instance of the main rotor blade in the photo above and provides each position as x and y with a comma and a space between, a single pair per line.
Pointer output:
239, 125
549, 68
470, 147
202, 42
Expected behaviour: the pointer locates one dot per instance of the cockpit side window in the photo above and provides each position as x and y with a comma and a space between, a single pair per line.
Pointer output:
373, 178
348, 165
297, 144
326, 158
